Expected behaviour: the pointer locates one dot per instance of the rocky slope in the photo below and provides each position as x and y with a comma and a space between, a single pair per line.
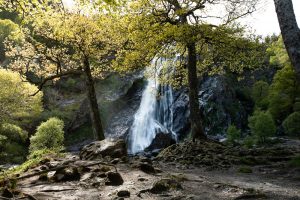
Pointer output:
116, 176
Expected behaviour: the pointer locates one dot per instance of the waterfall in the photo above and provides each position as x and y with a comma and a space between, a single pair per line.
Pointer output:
154, 115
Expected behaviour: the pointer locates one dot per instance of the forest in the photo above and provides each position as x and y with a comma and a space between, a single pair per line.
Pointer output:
148, 99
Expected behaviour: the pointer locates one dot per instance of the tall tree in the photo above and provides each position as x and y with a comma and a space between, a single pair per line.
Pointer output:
164, 24
290, 31
61, 43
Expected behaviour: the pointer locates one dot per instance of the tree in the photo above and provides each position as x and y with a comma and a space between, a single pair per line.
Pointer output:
262, 125
180, 27
61, 44
284, 89
15, 103
8, 30
290, 32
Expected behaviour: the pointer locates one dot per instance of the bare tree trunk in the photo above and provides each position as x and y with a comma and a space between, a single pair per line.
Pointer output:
195, 113
92, 98
290, 32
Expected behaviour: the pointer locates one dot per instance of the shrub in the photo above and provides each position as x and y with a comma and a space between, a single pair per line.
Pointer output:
233, 134
49, 135
249, 141
291, 124
12, 143
13, 133
262, 125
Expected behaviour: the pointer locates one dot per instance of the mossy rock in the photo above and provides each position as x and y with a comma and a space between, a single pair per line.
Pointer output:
245, 170
249, 160
165, 185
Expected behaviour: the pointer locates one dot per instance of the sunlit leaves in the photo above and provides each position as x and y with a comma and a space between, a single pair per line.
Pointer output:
15, 100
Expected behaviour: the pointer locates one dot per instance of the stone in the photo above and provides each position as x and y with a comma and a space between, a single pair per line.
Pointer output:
109, 148
142, 179
115, 161
123, 193
114, 179
147, 168
7, 194
165, 185
44, 167
67, 174
161, 141
43, 177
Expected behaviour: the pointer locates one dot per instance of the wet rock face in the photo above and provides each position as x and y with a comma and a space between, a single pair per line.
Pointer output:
219, 103
119, 125
113, 148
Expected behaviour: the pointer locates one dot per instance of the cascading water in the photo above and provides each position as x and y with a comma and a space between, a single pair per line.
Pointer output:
154, 115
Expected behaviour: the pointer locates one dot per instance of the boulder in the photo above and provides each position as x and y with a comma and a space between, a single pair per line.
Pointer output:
161, 141
147, 168
165, 185
114, 179
113, 148
67, 174
123, 193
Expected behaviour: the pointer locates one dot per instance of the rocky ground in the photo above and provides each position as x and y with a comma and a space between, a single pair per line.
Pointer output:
184, 171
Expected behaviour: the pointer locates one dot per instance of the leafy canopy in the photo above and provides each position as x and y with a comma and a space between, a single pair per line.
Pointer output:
15, 100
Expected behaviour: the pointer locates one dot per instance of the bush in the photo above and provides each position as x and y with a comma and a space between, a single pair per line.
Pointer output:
12, 143
262, 125
233, 134
249, 141
291, 124
13, 133
49, 135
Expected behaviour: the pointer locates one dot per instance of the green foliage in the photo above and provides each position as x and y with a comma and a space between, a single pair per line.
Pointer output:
283, 92
16, 104
291, 124
12, 143
262, 125
259, 93
249, 141
13, 133
233, 134
278, 53
8, 30
49, 135
82, 133
33, 160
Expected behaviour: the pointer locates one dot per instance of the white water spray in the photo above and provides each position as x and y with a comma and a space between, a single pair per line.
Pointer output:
154, 115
